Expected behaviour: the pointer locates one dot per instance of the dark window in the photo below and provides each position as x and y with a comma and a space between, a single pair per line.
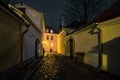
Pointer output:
51, 37
47, 37
51, 50
22, 9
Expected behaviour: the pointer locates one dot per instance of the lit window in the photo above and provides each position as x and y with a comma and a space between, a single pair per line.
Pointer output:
47, 30
51, 31
47, 44
51, 37
47, 37
51, 44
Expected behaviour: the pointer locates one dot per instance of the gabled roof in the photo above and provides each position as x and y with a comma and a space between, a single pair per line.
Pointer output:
36, 16
5, 7
110, 13
23, 5
23, 16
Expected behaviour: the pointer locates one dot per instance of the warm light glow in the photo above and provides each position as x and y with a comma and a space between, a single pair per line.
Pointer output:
59, 45
51, 44
47, 30
51, 31
45, 43
104, 61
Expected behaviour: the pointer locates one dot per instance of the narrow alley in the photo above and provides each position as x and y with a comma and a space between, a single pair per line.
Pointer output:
59, 67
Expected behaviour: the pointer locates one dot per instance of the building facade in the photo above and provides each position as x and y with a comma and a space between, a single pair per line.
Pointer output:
21, 39
32, 39
50, 40
98, 40
10, 40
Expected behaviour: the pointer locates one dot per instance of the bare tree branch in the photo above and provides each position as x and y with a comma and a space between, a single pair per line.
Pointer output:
84, 10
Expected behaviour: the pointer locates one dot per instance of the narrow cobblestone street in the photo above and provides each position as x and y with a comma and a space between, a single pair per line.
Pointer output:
58, 67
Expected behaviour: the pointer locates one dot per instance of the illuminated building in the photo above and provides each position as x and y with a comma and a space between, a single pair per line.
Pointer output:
99, 41
50, 40
21, 37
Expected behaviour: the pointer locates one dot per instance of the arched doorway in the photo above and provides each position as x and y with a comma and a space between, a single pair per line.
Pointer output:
71, 47
37, 48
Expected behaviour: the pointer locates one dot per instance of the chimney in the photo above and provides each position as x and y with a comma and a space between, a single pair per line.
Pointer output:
21, 3
63, 21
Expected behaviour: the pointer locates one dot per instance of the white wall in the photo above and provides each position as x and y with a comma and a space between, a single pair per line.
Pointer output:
35, 15
29, 42
86, 42
111, 41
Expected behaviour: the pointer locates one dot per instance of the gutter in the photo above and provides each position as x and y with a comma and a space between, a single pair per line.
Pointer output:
23, 16
22, 39
100, 49
98, 31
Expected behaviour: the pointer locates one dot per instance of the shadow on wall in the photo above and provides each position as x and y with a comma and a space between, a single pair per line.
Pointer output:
94, 50
112, 50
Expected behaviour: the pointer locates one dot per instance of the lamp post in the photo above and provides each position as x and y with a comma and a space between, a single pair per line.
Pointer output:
98, 31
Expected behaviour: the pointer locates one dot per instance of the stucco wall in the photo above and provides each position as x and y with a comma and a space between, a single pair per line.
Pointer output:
61, 42
36, 16
50, 44
86, 42
9, 40
111, 48
32, 35
29, 43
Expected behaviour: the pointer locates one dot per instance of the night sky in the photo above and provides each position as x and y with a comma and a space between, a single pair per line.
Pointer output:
53, 9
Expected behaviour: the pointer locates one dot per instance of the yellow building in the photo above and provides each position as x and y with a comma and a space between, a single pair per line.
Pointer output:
50, 40
99, 41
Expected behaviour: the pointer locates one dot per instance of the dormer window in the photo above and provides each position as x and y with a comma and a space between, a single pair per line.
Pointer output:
47, 30
51, 31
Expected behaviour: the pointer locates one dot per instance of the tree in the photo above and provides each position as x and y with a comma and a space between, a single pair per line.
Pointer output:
84, 10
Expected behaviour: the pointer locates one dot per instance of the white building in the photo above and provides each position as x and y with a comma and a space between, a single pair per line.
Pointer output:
32, 40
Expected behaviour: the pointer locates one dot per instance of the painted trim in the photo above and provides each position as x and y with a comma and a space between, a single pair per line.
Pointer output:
23, 16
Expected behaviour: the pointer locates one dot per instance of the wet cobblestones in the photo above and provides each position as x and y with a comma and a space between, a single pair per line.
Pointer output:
58, 67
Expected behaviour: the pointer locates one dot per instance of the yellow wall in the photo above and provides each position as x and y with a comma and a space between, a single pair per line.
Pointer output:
86, 42
61, 42
9, 40
111, 49
50, 44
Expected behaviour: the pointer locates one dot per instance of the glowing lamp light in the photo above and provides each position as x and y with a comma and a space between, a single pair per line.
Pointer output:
51, 44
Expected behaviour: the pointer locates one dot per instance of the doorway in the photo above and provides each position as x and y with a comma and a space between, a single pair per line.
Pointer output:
37, 48
71, 47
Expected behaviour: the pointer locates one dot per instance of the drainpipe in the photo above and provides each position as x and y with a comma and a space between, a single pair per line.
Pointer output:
22, 38
98, 32
100, 49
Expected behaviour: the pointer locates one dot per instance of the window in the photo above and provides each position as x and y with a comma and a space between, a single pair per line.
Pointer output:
47, 44
51, 44
51, 31
51, 37
47, 30
47, 37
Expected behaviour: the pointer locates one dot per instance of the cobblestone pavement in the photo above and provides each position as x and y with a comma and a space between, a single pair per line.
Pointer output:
58, 67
